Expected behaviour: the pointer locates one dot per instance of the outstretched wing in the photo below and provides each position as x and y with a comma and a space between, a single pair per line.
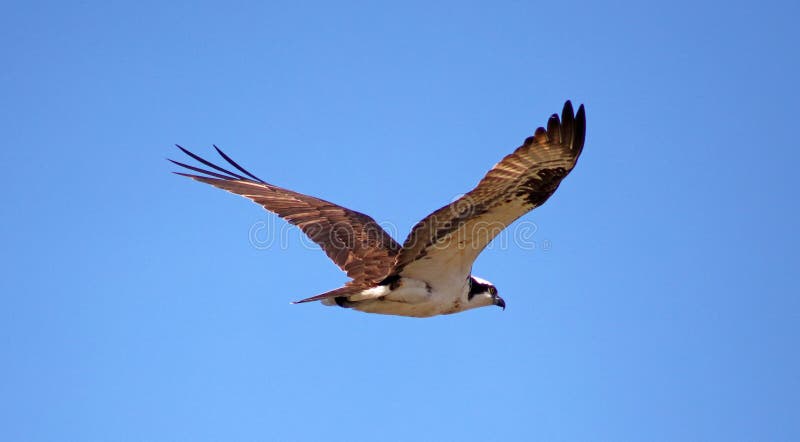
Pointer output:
352, 240
442, 247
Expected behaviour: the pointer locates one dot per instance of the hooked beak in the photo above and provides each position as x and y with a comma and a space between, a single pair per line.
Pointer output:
498, 301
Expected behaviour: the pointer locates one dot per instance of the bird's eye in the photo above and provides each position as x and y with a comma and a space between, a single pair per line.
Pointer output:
492, 291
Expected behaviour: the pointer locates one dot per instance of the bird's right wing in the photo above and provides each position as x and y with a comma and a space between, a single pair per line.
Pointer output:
442, 247
352, 240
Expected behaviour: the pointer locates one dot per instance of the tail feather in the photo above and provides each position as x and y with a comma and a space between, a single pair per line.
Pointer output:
341, 291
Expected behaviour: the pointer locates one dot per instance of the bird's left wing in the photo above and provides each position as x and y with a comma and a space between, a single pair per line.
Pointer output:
443, 246
352, 240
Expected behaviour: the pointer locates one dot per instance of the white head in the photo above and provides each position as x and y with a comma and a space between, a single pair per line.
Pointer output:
482, 293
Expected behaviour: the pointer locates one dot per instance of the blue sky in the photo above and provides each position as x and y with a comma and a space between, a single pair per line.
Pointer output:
136, 307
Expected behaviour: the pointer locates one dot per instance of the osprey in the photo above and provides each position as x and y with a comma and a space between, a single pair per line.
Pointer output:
430, 274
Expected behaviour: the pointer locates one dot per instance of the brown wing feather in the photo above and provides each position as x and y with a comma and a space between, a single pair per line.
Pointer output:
352, 240
455, 234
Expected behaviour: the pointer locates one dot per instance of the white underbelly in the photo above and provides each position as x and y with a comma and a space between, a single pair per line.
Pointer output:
410, 298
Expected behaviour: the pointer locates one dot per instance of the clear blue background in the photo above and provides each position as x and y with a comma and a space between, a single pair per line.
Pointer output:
134, 306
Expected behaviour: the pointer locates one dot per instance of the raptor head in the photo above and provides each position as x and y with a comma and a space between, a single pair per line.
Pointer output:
482, 293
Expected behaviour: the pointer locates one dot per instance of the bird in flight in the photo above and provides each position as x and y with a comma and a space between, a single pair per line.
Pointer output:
431, 273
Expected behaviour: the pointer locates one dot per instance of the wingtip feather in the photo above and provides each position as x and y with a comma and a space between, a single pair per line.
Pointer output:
580, 128
567, 108
554, 128
581, 115
235, 164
